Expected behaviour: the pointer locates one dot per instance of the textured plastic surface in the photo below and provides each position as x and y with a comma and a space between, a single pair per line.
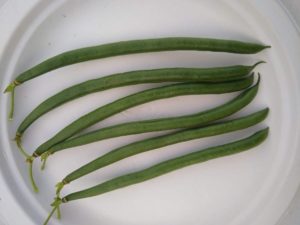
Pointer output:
252, 188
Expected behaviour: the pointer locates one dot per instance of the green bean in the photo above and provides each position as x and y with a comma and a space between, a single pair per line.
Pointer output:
194, 120
133, 47
134, 100
135, 77
170, 165
164, 168
159, 142
141, 98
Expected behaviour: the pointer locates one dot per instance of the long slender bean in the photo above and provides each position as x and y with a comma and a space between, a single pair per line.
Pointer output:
141, 98
164, 168
188, 121
134, 100
133, 47
170, 165
161, 141
218, 74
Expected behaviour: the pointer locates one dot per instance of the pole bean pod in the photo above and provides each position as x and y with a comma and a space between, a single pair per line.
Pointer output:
133, 47
134, 100
162, 141
218, 74
164, 168
140, 98
162, 124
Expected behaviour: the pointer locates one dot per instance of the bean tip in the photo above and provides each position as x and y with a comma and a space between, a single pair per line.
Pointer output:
265, 112
267, 109
265, 131
261, 135
258, 63
258, 79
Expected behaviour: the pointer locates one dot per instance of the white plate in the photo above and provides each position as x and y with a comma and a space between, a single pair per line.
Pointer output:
252, 188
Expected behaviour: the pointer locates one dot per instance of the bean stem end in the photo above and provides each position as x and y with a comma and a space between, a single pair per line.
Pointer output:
33, 184
56, 208
18, 140
11, 88
29, 160
44, 158
59, 186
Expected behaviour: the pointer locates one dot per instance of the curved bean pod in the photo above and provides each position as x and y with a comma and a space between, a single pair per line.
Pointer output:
164, 168
141, 98
171, 165
131, 101
161, 141
194, 120
133, 47
218, 74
